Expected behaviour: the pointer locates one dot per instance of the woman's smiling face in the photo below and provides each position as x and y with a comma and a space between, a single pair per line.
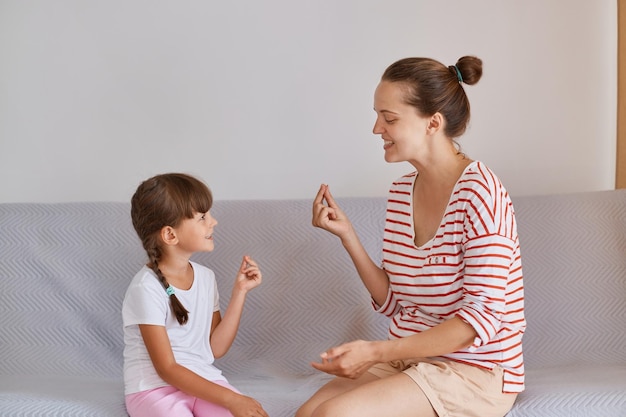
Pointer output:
399, 124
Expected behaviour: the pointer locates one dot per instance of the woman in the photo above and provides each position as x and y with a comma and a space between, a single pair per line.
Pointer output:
451, 276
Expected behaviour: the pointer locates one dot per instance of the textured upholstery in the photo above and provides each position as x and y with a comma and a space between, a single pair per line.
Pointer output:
65, 267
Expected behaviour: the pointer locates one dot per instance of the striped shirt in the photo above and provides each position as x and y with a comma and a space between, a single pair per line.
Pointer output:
471, 269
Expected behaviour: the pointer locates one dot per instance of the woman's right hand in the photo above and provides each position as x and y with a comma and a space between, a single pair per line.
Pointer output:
329, 216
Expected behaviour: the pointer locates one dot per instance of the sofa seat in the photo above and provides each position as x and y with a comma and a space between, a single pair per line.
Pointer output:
67, 396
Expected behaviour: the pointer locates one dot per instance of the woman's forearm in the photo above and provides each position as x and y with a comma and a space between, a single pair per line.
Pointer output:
445, 338
374, 278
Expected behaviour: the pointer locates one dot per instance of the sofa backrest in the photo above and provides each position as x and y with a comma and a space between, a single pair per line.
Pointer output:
65, 267
574, 263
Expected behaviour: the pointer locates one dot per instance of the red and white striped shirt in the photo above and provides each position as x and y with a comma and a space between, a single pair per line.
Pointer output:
471, 268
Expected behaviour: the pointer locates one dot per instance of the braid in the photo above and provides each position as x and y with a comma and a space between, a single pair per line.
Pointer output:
181, 313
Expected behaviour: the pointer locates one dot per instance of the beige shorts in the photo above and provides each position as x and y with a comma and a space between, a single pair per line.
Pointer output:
454, 389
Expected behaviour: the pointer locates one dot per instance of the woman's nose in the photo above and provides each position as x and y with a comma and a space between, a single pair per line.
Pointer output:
377, 129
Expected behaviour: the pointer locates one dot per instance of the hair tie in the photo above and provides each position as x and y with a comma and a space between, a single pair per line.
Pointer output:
170, 290
458, 74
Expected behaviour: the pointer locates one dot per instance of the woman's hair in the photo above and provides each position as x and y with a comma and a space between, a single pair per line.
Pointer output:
432, 87
166, 200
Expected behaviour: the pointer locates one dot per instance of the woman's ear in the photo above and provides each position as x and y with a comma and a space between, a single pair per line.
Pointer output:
168, 235
436, 123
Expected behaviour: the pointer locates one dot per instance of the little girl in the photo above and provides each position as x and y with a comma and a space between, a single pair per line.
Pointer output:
173, 329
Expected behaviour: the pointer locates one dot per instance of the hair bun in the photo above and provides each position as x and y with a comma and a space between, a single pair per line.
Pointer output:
468, 69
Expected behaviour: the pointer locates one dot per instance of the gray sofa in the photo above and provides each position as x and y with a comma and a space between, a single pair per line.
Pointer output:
64, 269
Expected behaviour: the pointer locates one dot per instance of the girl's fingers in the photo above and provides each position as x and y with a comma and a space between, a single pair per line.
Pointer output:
247, 262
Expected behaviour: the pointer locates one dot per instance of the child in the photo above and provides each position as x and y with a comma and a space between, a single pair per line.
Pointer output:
173, 329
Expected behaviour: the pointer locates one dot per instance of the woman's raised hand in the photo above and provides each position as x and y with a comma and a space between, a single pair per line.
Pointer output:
328, 216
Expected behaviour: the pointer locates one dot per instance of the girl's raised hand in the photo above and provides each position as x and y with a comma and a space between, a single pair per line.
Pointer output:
329, 216
249, 275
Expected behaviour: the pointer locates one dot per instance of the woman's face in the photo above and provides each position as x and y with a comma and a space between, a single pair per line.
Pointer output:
399, 124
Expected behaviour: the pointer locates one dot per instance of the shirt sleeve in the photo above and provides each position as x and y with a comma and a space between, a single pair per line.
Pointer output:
216, 297
145, 303
390, 307
488, 254
487, 262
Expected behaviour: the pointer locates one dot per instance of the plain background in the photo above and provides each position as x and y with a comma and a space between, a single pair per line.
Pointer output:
267, 99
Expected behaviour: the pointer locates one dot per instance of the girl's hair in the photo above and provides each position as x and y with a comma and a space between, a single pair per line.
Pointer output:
166, 200
432, 87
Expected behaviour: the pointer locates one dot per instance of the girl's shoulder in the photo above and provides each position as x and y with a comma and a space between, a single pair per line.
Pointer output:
145, 277
144, 284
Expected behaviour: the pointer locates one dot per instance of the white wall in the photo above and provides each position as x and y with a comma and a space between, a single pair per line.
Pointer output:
268, 99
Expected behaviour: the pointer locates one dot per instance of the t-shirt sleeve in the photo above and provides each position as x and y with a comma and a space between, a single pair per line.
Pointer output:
216, 297
145, 304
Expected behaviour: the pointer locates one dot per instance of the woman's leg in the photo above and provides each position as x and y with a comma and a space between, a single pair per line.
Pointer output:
369, 395
330, 390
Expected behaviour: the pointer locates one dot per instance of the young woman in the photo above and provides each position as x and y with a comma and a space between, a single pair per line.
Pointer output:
451, 275
173, 329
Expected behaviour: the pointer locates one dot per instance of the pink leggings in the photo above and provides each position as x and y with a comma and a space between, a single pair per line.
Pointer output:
169, 401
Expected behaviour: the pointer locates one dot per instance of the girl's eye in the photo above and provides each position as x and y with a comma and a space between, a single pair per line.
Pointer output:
203, 217
390, 121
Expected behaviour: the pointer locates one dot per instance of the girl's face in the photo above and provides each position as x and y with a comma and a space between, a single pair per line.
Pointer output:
399, 124
196, 234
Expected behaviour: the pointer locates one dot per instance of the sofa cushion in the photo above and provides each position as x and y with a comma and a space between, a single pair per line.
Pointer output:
61, 395
573, 391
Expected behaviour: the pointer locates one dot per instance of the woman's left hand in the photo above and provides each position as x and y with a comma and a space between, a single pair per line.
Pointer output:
349, 360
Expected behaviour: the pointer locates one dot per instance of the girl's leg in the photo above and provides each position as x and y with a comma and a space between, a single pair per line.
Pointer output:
159, 402
203, 408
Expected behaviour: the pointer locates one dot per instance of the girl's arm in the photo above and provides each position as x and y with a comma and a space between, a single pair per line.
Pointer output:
224, 329
331, 218
158, 345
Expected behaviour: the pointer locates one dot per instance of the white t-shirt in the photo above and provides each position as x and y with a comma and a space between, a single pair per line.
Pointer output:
146, 302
